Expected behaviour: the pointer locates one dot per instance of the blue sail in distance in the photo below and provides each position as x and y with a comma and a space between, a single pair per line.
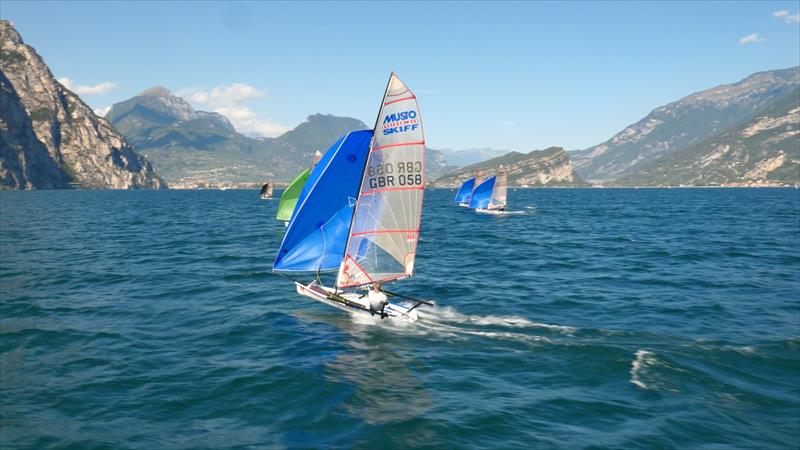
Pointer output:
320, 224
465, 192
482, 195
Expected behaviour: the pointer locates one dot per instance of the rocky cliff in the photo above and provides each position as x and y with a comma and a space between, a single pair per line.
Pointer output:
540, 168
49, 138
685, 123
764, 150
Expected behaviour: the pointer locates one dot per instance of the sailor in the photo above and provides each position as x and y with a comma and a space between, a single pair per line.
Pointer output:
377, 300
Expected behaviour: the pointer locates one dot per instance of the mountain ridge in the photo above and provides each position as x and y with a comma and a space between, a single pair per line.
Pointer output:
193, 148
49, 138
684, 122
550, 167
764, 150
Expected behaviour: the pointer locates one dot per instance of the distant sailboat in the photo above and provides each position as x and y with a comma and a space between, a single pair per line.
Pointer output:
360, 210
288, 201
266, 191
463, 194
491, 196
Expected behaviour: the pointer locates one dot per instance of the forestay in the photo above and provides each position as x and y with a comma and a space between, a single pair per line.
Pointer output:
315, 239
482, 194
383, 238
465, 192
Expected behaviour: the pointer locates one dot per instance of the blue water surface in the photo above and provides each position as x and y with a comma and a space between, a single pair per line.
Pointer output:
596, 318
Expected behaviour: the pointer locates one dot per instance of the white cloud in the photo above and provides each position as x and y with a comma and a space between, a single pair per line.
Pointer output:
751, 39
102, 88
229, 101
102, 111
788, 18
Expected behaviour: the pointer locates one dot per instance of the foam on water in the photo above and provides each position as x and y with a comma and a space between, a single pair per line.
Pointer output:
449, 314
639, 366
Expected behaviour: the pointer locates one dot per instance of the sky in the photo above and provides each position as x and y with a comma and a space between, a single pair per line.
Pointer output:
506, 75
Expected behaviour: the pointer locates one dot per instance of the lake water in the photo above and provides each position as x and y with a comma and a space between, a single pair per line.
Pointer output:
599, 318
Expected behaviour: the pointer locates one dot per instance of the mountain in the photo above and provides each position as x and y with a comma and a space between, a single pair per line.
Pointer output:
190, 147
316, 132
465, 157
49, 138
157, 108
765, 149
684, 123
550, 167
195, 148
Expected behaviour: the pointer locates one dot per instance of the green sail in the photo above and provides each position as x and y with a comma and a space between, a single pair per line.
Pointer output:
290, 195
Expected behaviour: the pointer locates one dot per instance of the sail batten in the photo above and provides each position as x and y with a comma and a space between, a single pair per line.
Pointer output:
383, 237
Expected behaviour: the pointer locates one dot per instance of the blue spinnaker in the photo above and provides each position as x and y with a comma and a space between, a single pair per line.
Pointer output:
482, 195
318, 231
465, 192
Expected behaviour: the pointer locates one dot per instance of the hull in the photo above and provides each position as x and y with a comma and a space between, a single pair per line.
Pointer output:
464, 205
498, 212
353, 302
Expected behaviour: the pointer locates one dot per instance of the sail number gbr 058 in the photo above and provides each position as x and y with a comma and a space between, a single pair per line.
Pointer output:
403, 173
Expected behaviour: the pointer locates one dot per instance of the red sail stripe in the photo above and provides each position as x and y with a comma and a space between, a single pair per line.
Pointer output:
402, 144
411, 188
395, 95
393, 277
361, 233
359, 267
400, 100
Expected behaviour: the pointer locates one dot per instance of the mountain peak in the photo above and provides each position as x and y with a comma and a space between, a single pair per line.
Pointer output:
157, 91
9, 33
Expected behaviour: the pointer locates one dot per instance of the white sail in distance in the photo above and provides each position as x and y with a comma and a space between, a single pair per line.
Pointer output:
500, 191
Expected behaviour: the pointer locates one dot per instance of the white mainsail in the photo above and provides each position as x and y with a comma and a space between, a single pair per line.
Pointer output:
385, 230
500, 191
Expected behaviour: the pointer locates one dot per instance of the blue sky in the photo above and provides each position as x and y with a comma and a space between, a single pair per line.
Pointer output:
509, 75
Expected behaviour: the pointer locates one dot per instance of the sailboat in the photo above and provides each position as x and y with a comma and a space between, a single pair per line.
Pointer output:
266, 191
288, 200
360, 210
465, 192
491, 196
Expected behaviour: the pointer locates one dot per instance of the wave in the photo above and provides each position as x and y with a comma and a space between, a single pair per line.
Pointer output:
639, 366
